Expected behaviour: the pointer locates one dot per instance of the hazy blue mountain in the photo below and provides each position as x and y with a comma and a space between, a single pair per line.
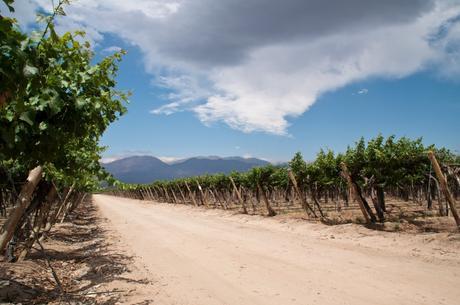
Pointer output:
145, 169
139, 169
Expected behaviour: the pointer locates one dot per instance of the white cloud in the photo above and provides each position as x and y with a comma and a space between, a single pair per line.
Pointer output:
111, 49
132, 153
110, 159
125, 154
256, 64
363, 91
171, 160
187, 91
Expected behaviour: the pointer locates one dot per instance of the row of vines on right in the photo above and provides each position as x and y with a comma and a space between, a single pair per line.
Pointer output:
374, 181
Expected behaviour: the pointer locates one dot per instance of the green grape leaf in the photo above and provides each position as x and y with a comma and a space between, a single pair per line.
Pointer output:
28, 117
43, 126
29, 71
8, 4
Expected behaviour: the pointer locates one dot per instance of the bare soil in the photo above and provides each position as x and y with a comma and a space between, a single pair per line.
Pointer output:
123, 251
209, 256
92, 267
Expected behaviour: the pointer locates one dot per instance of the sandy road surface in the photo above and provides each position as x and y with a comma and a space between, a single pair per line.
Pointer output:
202, 257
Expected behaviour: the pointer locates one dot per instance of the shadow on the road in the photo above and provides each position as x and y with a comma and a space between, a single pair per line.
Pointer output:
83, 260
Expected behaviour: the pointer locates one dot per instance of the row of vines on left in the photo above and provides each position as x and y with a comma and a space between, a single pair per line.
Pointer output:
56, 100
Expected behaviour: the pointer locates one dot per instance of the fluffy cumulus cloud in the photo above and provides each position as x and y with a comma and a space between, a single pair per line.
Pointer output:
256, 64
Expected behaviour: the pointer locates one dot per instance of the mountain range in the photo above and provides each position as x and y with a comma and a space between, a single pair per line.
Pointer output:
146, 169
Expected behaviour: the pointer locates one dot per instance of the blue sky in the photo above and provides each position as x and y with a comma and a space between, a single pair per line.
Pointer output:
267, 78
420, 105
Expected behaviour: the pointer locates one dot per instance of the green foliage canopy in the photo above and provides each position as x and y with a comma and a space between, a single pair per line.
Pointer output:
54, 102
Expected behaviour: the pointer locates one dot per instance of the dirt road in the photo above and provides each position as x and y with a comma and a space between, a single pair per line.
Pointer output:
202, 257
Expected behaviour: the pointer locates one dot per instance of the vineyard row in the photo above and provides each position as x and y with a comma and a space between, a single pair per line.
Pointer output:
381, 179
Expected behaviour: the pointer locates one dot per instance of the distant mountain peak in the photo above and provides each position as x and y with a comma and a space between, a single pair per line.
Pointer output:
147, 169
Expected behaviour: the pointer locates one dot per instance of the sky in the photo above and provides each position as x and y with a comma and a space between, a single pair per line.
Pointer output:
268, 78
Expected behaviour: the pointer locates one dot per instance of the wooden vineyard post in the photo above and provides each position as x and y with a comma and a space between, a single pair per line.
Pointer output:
218, 197
157, 197
182, 195
166, 194
226, 196
213, 197
50, 198
444, 187
315, 200
354, 191
305, 204
174, 195
270, 211
71, 204
64, 202
238, 194
78, 202
53, 215
249, 196
146, 193
40, 222
22, 203
191, 194
140, 193
152, 197
146, 190
203, 197
143, 194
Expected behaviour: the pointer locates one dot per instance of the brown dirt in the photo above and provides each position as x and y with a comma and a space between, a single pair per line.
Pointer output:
92, 267
156, 253
208, 256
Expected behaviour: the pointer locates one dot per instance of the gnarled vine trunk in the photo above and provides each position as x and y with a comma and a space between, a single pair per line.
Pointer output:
22, 203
